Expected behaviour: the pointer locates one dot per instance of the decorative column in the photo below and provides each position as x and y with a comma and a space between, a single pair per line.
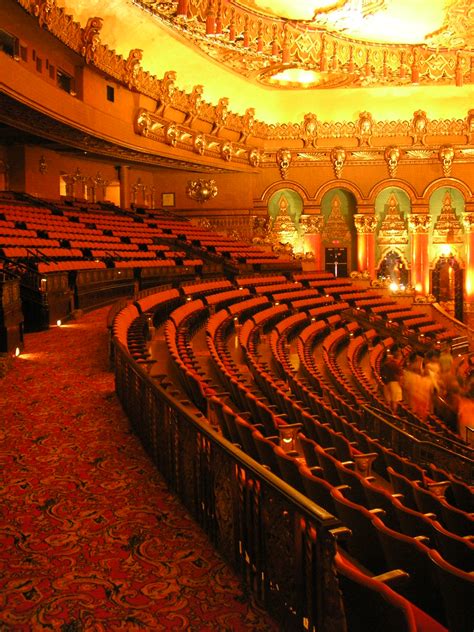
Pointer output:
311, 227
468, 223
124, 177
418, 225
365, 226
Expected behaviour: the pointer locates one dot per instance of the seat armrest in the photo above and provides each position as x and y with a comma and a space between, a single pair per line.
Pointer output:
397, 577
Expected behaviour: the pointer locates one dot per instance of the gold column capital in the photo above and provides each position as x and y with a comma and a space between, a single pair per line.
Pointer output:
365, 223
419, 222
468, 221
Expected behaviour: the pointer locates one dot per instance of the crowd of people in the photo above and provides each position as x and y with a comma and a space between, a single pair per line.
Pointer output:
434, 382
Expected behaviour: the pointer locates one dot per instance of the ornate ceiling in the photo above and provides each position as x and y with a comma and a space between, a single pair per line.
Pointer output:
390, 57
329, 43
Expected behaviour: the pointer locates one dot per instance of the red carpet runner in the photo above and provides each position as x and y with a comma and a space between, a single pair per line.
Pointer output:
90, 538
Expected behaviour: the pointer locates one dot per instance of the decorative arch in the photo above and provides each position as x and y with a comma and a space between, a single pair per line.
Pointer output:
393, 183
287, 184
285, 201
453, 183
341, 185
338, 235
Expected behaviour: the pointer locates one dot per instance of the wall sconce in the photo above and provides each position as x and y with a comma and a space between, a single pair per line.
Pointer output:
289, 437
201, 190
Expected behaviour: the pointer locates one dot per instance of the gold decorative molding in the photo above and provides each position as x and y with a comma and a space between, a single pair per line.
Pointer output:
338, 159
336, 228
393, 230
283, 159
392, 156
201, 190
447, 228
468, 221
419, 222
311, 224
365, 224
446, 157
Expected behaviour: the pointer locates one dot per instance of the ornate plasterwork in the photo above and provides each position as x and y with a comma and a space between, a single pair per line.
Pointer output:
365, 224
419, 222
336, 228
447, 228
393, 228
468, 221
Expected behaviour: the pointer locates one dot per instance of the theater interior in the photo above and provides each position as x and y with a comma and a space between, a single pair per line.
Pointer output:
218, 218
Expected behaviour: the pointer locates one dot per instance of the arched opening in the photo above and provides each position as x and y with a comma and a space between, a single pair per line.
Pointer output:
339, 250
447, 282
393, 269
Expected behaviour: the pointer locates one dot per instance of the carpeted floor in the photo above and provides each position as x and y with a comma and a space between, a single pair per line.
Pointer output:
90, 538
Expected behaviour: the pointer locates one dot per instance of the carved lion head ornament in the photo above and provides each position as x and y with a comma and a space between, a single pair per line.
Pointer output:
283, 158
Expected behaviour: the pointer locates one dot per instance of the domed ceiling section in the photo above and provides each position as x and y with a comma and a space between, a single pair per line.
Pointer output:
330, 43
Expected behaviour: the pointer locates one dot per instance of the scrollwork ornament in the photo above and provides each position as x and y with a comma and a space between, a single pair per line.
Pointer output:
166, 91
446, 157
392, 156
365, 223
143, 122
283, 158
43, 10
132, 67
470, 127
248, 122
338, 159
419, 222
91, 39
468, 221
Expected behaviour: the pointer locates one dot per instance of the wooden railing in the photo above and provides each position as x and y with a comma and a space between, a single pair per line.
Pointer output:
281, 544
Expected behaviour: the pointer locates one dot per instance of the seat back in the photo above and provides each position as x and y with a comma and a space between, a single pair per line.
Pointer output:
457, 593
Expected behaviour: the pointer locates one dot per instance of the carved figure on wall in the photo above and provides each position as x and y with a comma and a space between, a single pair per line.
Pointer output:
365, 128
254, 157
447, 228
227, 151
260, 227
132, 67
91, 39
393, 228
283, 158
392, 156
248, 122
310, 129
338, 159
221, 113
446, 156
470, 126
199, 144
172, 134
419, 127
166, 90
194, 105
201, 190
143, 123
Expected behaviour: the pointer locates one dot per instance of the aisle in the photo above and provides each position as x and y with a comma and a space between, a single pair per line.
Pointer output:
90, 538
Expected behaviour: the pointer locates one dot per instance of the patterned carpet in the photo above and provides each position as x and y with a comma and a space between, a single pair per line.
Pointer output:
90, 538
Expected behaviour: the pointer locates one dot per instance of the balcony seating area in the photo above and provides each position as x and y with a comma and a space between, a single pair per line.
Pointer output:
297, 390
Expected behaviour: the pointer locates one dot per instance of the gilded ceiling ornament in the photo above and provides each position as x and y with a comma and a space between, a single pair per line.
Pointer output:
392, 156
194, 105
310, 129
172, 134
419, 127
201, 190
254, 157
338, 159
43, 10
220, 115
419, 222
248, 122
283, 158
132, 67
446, 156
199, 144
166, 90
365, 128
91, 39
365, 223
227, 151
